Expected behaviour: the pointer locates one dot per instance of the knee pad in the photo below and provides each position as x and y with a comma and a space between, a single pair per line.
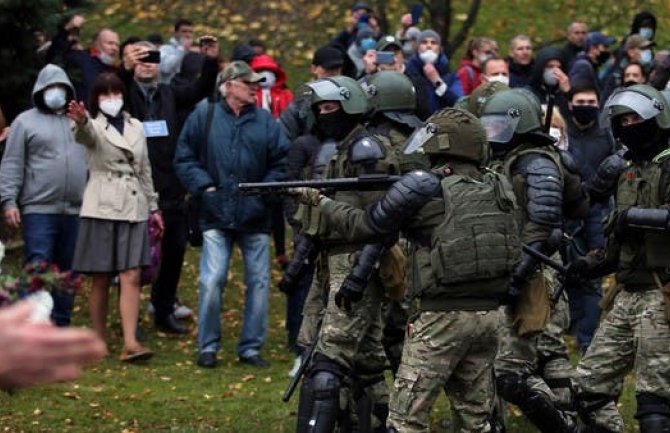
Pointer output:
512, 388
326, 385
653, 413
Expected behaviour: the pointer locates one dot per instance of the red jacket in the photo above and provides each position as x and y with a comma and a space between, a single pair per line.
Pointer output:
470, 76
280, 95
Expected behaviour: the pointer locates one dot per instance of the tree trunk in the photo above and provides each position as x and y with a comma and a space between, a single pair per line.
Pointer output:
462, 34
381, 10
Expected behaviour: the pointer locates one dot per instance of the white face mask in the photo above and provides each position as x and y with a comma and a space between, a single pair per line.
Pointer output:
112, 106
647, 32
54, 98
549, 77
270, 79
428, 56
645, 57
482, 58
498, 78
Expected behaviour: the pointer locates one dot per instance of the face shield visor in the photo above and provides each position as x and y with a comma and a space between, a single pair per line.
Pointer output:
500, 127
419, 138
627, 100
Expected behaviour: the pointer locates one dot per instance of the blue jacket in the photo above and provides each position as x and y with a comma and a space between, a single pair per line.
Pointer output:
248, 148
425, 90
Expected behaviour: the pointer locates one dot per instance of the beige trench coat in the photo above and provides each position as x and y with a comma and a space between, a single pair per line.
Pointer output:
119, 185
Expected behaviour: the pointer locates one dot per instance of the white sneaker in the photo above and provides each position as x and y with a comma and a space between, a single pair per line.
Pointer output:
296, 366
182, 311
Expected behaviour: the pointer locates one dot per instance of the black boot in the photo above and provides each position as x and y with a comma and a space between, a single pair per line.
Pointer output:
170, 325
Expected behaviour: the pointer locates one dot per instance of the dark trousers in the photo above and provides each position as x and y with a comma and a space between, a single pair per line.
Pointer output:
173, 245
278, 229
294, 304
51, 238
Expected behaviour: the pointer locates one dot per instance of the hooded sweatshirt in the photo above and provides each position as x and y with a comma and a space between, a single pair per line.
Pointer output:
279, 95
43, 169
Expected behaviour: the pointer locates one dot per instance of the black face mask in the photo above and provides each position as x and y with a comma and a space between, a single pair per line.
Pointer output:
630, 83
335, 125
640, 138
584, 114
603, 57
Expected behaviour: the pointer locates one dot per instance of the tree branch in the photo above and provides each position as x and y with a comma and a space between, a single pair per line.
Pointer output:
459, 38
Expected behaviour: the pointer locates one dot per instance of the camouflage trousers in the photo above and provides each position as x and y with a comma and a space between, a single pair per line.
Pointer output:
634, 336
452, 351
542, 359
312, 311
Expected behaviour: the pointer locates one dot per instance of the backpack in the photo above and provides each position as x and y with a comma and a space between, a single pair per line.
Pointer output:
479, 238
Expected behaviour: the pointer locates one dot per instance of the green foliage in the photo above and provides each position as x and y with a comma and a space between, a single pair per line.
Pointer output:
18, 62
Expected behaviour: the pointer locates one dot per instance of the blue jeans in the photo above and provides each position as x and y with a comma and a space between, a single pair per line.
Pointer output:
214, 263
51, 238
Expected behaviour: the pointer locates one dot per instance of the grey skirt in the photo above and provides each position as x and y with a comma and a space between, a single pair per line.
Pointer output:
111, 246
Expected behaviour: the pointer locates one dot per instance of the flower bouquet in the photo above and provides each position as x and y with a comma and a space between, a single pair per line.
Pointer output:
37, 281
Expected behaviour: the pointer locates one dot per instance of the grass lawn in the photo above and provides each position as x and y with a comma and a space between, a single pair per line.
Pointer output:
171, 394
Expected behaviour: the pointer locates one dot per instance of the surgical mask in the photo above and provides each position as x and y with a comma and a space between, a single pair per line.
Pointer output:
107, 59
55, 98
498, 78
428, 56
270, 79
647, 32
646, 57
367, 44
549, 77
584, 114
111, 106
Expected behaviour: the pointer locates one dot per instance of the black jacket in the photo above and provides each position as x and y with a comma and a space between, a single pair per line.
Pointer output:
165, 104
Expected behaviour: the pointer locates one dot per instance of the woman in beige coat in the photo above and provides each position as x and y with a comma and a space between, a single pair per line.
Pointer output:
119, 201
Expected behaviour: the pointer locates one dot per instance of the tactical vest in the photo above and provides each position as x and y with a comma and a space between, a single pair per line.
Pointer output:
473, 248
344, 163
644, 252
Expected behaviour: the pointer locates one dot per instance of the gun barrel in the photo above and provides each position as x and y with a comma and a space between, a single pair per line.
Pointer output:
363, 183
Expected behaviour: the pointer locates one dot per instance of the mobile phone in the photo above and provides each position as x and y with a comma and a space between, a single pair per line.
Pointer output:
385, 57
153, 56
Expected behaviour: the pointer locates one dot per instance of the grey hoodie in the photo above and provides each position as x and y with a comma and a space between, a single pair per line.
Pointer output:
43, 169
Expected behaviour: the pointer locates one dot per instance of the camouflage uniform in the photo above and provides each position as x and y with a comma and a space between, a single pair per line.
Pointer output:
451, 341
635, 334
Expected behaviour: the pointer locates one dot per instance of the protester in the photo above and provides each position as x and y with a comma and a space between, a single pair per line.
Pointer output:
429, 71
42, 179
596, 53
250, 147
172, 53
520, 61
576, 35
549, 80
157, 105
119, 197
469, 70
273, 95
358, 17
633, 73
84, 65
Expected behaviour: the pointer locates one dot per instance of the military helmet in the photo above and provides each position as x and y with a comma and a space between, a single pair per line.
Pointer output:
642, 99
510, 112
342, 89
390, 91
451, 132
477, 99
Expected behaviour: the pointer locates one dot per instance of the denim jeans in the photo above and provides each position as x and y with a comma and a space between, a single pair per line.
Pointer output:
214, 264
51, 238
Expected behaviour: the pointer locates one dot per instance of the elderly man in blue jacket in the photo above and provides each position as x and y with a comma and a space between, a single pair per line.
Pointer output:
222, 144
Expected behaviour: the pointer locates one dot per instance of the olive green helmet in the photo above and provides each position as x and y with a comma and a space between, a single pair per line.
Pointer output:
510, 112
390, 91
342, 89
477, 99
451, 132
642, 99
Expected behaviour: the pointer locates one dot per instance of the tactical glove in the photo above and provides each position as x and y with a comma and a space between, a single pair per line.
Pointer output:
308, 196
351, 291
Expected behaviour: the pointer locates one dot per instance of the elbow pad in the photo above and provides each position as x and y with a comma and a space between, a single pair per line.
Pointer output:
544, 191
403, 199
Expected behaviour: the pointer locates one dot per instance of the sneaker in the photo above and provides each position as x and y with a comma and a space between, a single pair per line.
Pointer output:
255, 361
296, 366
182, 311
